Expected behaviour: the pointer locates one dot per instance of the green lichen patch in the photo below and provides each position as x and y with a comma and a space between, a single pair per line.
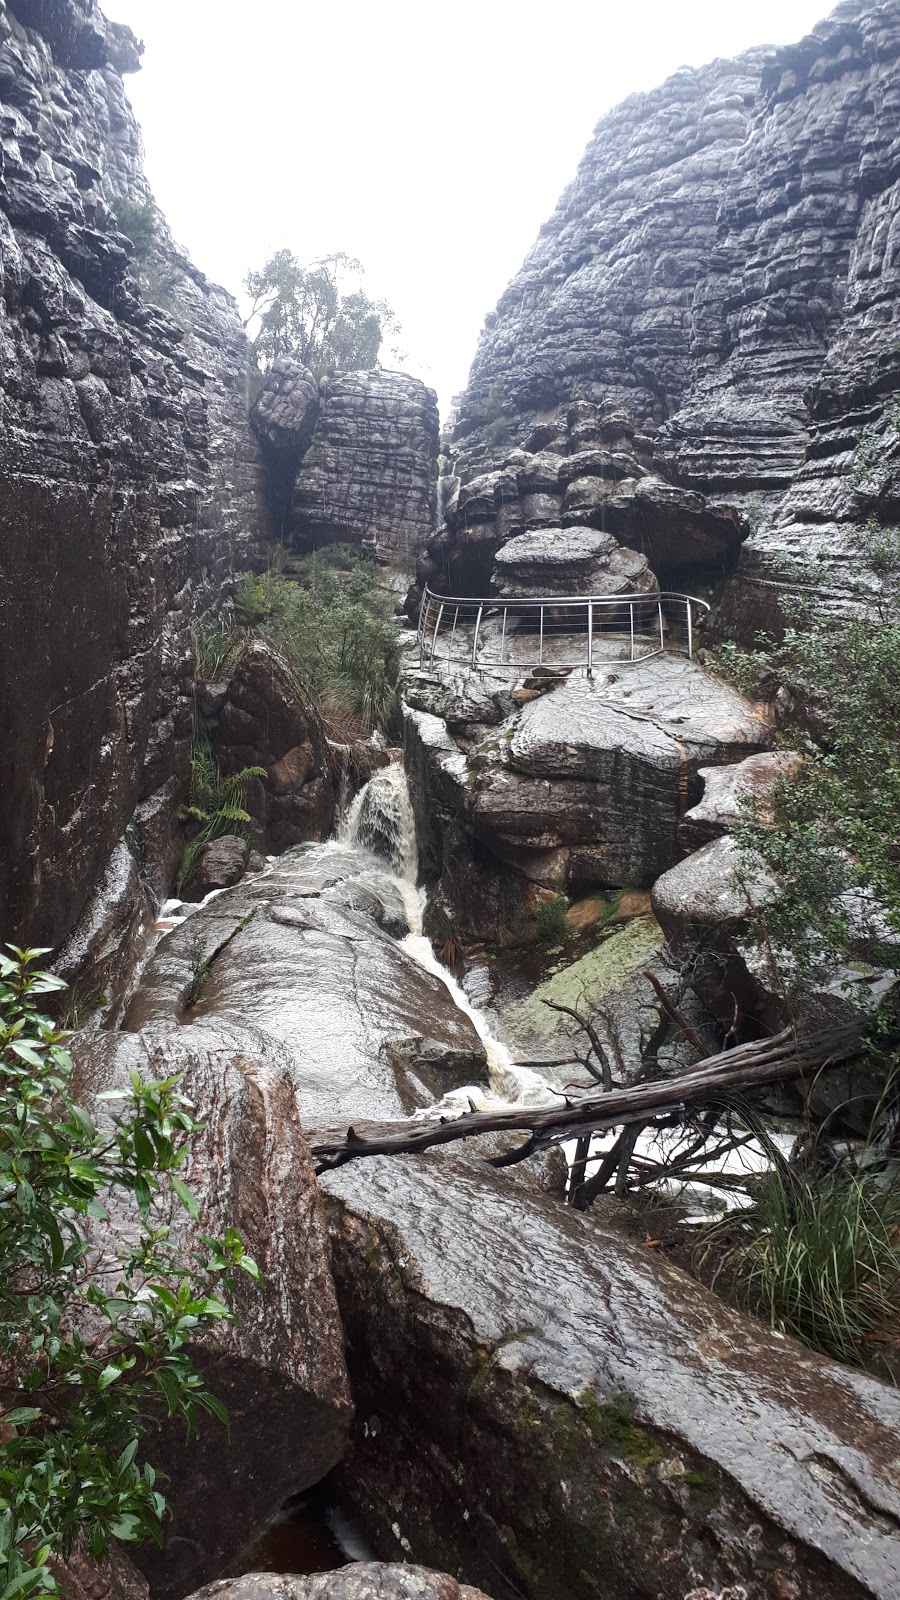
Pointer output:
620, 954
614, 1427
704, 1493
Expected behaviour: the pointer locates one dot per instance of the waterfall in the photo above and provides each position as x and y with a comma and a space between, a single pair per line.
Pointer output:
381, 820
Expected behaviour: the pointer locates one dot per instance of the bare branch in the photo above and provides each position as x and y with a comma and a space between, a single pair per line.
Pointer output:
673, 1012
752, 1065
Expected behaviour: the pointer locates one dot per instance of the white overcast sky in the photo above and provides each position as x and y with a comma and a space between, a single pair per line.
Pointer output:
429, 140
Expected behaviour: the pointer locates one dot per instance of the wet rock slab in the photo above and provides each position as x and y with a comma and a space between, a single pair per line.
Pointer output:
364, 1580
554, 1411
296, 952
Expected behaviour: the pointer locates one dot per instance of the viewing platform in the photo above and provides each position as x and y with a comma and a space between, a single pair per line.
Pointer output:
498, 634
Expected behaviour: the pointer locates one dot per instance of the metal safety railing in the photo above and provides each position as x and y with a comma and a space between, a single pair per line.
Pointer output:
553, 630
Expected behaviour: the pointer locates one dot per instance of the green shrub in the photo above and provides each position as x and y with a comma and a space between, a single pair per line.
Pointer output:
216, 647
831, 826
75, 1405
493, 418
137, 222
550, 922
334, 625
217, 805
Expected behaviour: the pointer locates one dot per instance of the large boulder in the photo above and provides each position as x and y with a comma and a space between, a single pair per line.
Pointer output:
279, 1368
267, 721
605, 1428
364, 1580
217, 865
368, 478
585, 785
729, 791
300, 953
705, 904
569, 561
708, 904
285, 410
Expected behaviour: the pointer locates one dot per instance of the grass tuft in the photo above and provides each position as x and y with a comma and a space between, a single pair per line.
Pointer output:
821, 1260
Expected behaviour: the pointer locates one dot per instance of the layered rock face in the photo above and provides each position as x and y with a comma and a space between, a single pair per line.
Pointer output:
587, 470
724, 268
351, 461
132, 485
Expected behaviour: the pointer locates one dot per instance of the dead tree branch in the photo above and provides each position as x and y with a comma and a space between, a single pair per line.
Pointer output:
604, 1074
753, 1065
673, 1013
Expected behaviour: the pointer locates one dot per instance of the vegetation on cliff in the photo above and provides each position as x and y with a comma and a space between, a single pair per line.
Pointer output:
333, 624
96, 1319
305, 311
829, 831
216, 804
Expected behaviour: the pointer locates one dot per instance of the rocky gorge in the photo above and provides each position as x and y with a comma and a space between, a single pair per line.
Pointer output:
690, 384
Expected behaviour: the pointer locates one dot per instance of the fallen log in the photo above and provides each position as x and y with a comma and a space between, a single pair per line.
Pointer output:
749, 1066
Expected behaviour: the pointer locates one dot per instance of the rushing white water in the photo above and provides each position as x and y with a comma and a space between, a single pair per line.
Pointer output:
382, 821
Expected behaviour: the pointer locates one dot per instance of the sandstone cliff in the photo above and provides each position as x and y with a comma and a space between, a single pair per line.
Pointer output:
132, 486
724, 267
351, 460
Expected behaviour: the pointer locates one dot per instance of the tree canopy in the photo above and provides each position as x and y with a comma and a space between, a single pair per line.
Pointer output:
304, 311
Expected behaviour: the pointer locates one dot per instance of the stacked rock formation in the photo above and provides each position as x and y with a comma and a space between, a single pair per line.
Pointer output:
521, 524
724, 268
131, 487
351, 461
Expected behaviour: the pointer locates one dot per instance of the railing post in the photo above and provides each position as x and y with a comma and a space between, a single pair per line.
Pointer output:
690, 631
662, 642
590, 659
435, 634
541, 644
475, 640
631, 620
503, 634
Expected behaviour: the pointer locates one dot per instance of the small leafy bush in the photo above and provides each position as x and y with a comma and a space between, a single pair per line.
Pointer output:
830, 828
90, 1358
137, 222
493, 418
217, 805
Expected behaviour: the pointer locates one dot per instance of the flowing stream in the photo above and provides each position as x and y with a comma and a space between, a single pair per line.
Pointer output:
381, 821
